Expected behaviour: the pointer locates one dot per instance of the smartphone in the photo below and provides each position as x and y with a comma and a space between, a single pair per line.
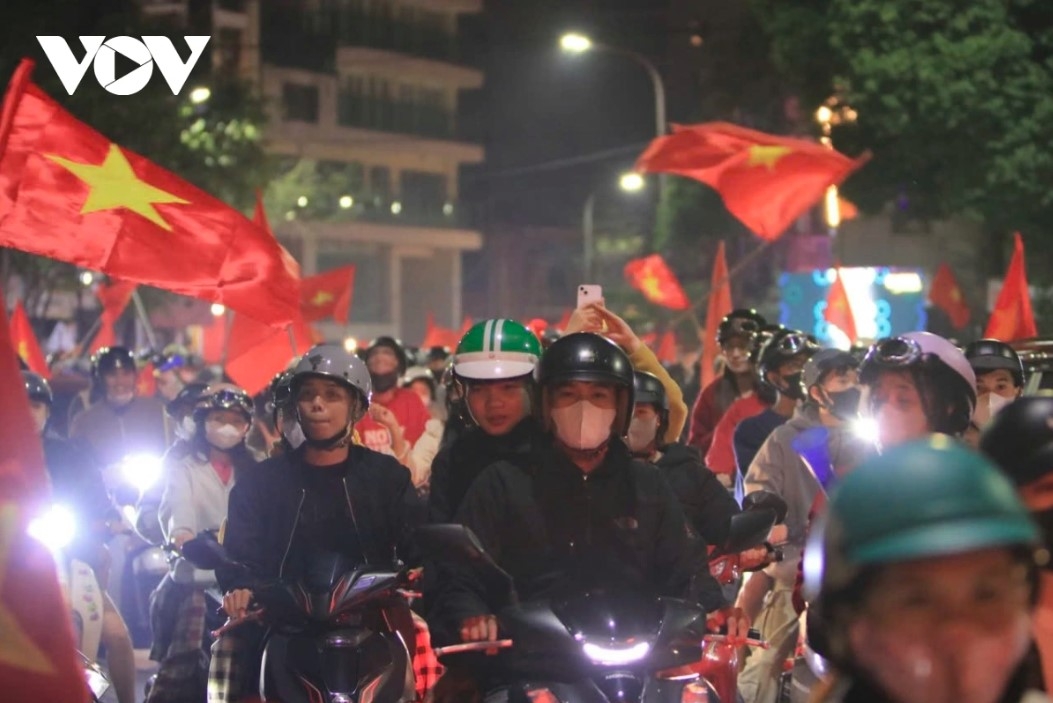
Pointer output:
589, 294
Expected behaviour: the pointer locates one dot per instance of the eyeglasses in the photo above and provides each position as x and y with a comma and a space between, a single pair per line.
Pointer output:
894, 351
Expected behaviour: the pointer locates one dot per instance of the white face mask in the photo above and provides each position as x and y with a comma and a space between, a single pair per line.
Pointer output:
583, 425
293, 433
185, 430
223, 436
642, 431
987, 406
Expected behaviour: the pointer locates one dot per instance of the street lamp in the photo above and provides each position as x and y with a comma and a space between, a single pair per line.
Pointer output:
628, 183
200, 95
828, 115
575, 43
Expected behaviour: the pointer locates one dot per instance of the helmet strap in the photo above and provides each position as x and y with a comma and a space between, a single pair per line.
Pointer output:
340, 439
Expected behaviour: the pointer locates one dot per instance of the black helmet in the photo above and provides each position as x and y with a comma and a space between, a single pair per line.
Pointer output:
392, 344
990, 355
760, 339
279, 393
825, 361
743, 322
187, 397
584, 356
784, 345
648, 389
37, 388
1020, 438
437, 353
223, 396
110, 359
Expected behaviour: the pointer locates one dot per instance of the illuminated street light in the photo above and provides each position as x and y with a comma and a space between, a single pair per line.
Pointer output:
631, 182
396, 207
575, 43
218, 310
350, 344
302, 201
86, 278
824, 115
346, 201
200, 95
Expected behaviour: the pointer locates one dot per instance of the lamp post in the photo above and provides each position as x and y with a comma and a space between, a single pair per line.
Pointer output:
628, 183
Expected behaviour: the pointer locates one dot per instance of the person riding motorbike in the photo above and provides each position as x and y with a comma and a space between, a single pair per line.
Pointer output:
77, 483
397, 417
584, 514
1020, 440
999, 379
195, 497
328, 496
923, 574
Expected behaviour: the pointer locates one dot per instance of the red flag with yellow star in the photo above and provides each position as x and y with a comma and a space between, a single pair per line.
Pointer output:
839, 310
327, 295
37, 659
114, 298
717, 306
946, 294
766, 181
652, 277
1013, 317
69, 193
25, 341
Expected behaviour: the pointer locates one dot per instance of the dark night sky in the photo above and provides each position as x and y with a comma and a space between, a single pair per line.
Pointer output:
541, 105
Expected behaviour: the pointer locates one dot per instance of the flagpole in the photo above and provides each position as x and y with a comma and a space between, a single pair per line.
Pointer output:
292, 339
147, 327
734, 271
228, 325
82, 345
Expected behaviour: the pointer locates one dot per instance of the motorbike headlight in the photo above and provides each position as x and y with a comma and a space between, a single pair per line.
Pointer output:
866, 428
55, 528
142, 470
616, 655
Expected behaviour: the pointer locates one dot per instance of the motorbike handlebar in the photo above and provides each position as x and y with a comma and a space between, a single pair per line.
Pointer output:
472, 647
760, 644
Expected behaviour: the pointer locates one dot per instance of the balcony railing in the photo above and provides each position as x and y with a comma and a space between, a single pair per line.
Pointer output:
380, 210
404, 37
395, 116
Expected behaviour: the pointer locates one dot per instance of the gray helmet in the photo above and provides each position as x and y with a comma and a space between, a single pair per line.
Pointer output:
335, 362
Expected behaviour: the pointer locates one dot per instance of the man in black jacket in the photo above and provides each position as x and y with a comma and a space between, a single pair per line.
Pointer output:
707, 504
584, 515
326, 497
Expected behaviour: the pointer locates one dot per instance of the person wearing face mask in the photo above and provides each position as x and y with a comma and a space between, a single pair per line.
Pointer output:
583, 514
924, 579
123, 422
397, 417
707, 505
735, 336
1020, 440
916, 384
999, 380
196, 492
77, 483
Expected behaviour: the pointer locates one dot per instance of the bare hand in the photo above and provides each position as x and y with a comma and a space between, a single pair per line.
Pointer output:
384, 416
754, 558
480, 628
779, 534
236, 603
586, 319
181, 538
619, 331
738, 623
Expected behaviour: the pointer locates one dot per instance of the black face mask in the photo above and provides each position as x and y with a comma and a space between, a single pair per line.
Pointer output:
1044, 520
383, 382
792, 386
844, 404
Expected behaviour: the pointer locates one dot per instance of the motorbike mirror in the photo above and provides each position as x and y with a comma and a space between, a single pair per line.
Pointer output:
459, 545
766, 499
748, 529
205, 552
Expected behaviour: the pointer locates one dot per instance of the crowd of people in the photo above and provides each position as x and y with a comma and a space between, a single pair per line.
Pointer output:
916, 477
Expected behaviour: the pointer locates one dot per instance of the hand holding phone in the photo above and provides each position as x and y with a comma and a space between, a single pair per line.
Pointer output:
588, 294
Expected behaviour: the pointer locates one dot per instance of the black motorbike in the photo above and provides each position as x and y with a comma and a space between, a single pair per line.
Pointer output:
343, 634
596, 647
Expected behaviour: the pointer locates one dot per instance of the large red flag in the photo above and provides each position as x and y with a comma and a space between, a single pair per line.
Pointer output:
946, 294
37, 659
766, 181
259, 218
69, 193
436, 336
1012, 317
666, 351
114, 298
327, 295
652, 277
25, 341
718, 307
256, 352
839, 310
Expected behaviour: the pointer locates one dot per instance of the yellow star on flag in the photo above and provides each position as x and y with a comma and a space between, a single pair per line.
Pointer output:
956, 295
16, 647
321, 298
649, 283
114, 184
23, 349
768, 156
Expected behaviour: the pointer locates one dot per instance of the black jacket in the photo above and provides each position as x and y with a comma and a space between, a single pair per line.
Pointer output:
456, 466
556, 531
707, 504
264, 511
77, 483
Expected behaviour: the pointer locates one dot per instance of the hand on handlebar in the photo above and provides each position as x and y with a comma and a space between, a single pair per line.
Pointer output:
236, 603
480, 628
734, 619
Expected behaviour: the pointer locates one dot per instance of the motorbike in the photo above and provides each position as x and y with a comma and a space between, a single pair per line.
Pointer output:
594, 647
55, 529
343, 634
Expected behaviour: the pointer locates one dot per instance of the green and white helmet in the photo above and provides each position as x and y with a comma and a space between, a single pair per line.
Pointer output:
494, 349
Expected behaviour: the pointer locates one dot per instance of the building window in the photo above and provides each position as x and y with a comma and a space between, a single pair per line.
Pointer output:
300, 101
380, 185
423, 193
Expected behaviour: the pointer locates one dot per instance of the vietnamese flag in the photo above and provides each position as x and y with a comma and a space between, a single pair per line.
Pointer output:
69, 193
37, 659
766, 181
946, 294
25, 340
839, 310
257, 352
717, 307
652, 277
436, 336
114, 299
1012, 317
327, 295
666, 352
